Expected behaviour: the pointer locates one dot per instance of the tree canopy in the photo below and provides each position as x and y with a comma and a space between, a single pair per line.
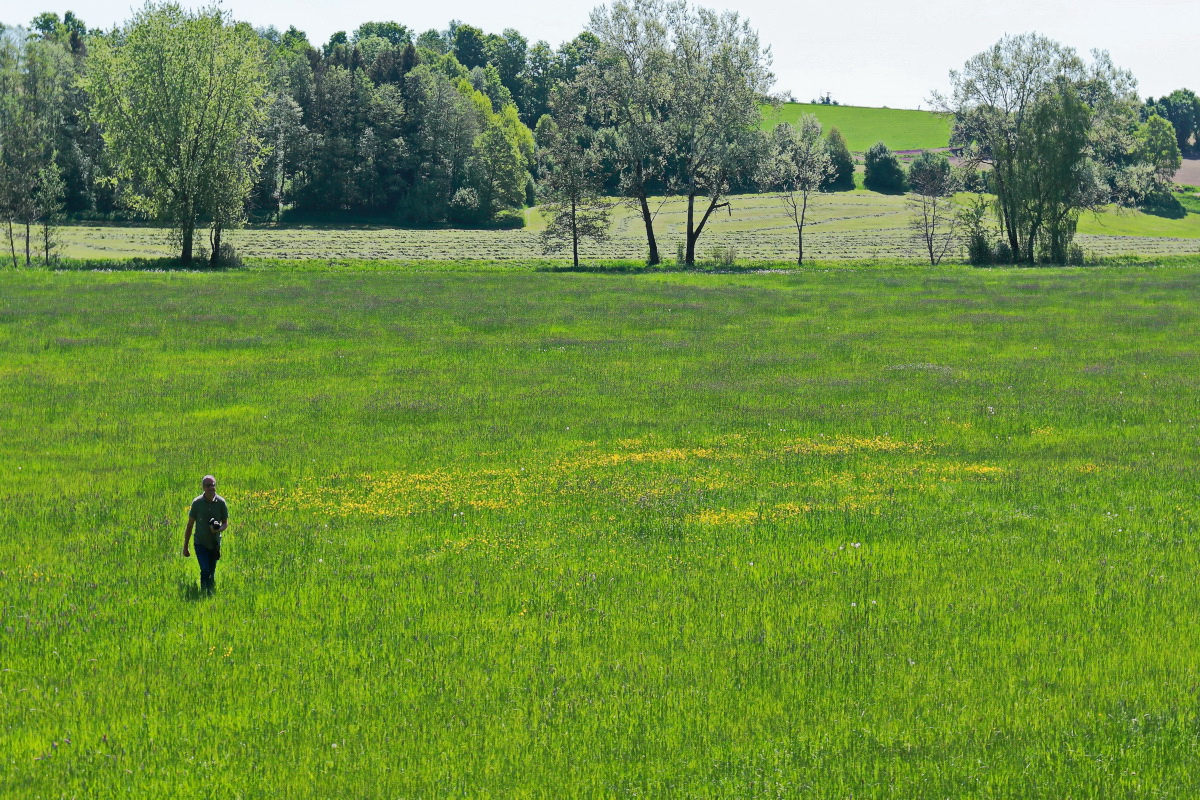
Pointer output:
179, 95
677, 90
1058, 134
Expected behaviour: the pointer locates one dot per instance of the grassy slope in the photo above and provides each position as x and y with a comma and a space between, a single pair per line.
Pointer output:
570, 535
899, 129
1131, 222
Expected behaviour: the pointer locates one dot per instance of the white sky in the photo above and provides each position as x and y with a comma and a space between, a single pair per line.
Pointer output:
869, 52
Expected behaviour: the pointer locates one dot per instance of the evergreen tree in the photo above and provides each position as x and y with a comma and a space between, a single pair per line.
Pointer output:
842, 177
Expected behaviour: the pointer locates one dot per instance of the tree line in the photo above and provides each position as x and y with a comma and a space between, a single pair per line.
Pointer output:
201, 122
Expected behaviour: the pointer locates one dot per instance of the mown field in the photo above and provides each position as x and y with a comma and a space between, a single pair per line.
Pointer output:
848, 225
842, 533
898, 128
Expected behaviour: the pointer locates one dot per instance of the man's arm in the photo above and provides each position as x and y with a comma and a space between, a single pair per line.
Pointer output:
187, 535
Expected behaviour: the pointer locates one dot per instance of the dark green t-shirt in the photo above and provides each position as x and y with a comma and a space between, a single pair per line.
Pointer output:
204, 510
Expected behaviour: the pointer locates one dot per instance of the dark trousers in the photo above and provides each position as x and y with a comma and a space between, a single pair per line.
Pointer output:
208, 568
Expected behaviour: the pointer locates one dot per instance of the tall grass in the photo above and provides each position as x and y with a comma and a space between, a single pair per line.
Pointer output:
893, 533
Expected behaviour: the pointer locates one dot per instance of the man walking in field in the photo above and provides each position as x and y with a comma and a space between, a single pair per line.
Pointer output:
209, 516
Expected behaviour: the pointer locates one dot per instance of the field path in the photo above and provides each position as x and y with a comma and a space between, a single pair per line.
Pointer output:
1189, 173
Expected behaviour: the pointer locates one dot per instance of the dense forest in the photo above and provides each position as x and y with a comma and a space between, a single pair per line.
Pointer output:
198, 121
376, 123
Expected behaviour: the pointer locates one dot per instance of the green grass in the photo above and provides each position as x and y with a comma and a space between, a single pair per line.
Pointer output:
1131, 222
834, 533
898, 128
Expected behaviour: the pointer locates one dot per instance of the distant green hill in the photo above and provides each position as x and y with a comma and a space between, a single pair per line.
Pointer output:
898, 128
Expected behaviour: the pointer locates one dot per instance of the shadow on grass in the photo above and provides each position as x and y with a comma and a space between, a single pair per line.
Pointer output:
190, 591
134, 265
663, 269
1164, 205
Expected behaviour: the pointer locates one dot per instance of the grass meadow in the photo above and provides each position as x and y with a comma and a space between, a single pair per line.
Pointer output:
854, 225
840, 533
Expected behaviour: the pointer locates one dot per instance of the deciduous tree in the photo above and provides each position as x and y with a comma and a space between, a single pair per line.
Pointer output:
1160, 150
180, 96
677, 89
718, 73
933, 219
629, 89
572, 179
797, 166
1182, 109
1053, 131
35, 74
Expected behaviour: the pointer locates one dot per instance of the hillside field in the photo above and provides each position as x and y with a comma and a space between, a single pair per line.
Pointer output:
898, 128
834, 533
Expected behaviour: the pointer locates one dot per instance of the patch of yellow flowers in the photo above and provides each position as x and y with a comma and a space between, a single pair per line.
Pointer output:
637, 474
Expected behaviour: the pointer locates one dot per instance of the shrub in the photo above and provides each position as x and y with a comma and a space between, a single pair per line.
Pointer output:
1164, 204
971, 180
972, 219
464, 207
883, 171
227, 257
979, 250
721, 257
422, 205
531, 198
508, 219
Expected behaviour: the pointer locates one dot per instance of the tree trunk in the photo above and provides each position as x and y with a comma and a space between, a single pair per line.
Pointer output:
1030, 244
648, 218
186, 256
931, 220
214, 258
690, 258
1008, 213
694, 235
12, 245
28, 260
800, 232
574, 234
